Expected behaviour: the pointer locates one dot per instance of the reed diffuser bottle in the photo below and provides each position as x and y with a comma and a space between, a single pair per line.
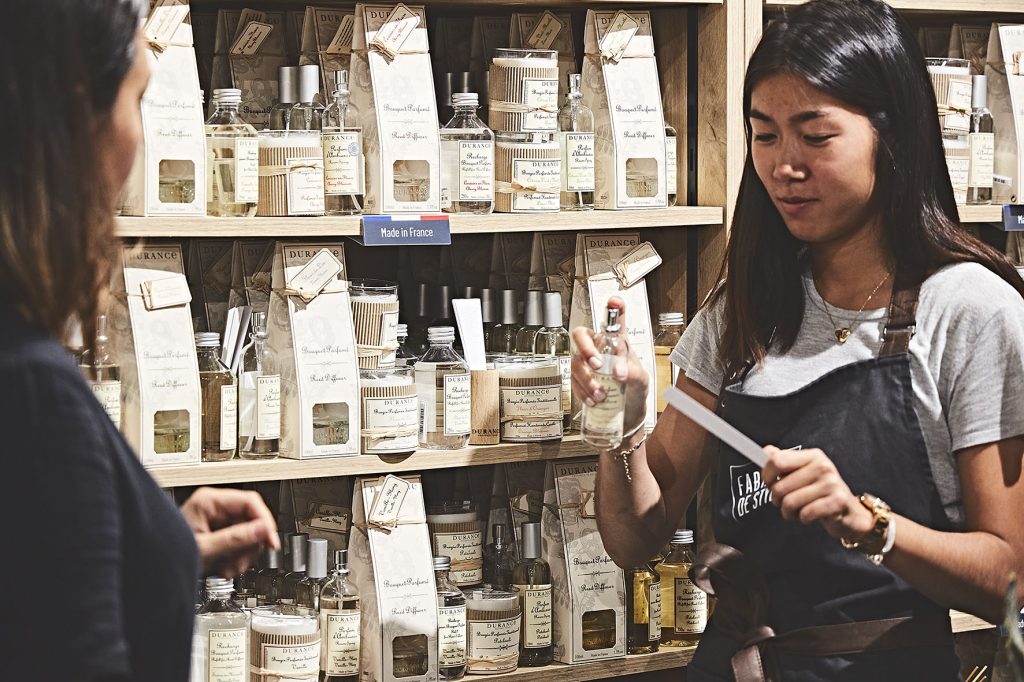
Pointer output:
532, 581
603, 423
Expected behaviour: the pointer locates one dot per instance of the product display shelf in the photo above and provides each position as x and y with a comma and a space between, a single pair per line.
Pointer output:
667, 658
981, 214
965, 622
952, 6
483, 4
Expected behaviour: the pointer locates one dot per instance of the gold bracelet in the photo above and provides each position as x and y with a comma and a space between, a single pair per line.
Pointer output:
624, 455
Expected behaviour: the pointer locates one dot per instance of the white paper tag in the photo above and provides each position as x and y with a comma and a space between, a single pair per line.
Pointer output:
636, 264
540, 94
545, 32
620, 32
395, 31
228, 417
246, 17
247, 169
333, 517
671, 165
315, 275
164, 20
577, 161
342, 41
343, 162
958, 97
305, 185
251, 38
387, 505
166, 293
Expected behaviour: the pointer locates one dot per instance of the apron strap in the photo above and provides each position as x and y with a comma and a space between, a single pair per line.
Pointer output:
902, 322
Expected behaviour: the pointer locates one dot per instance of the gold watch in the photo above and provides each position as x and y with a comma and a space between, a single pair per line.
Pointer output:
873, 542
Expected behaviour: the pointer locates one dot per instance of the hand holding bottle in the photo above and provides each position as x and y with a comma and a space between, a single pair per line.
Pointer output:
231, 527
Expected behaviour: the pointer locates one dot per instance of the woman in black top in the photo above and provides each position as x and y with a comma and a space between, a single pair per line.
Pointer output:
100, 568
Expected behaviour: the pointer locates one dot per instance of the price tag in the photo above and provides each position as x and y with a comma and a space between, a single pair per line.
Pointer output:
165, 293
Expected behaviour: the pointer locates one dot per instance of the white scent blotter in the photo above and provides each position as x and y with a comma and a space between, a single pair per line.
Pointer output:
153, 343
620, 84
390, 558
310, 327
583, 576
169, 175
1004, 69
715, 425
393, 88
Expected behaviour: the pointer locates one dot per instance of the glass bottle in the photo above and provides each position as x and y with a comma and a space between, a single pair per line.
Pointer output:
404, 357
503, 335
670, 330
467, 159
287, 95
308, 114
982, 144
297, 568
576, 140
232, 159
643, 609
102, 373
531, 579
488, 316
259, 396
442, 382
534, 321
553, 339
498, 560
685, 607
270, 578
417, 314
343, 152
451, 623
245, 588
339, 624
444, 313
220, 640
307, 590
219, 400
671, 164
603, 423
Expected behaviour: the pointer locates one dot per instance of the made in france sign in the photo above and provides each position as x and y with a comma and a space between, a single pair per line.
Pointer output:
413, 230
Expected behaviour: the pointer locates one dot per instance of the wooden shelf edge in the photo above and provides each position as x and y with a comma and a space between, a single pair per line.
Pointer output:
203, 4
981, 214
986, 6
665, 659
965, 622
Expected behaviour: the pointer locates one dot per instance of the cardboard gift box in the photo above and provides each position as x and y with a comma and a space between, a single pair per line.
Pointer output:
250, 47
327, 42
548, 31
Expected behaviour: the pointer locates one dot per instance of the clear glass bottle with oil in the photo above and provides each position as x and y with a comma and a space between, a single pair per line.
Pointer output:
553, 339
102, 373
220, 640
339, 624
344, 167
259, 396
307, 590
467, 159
603, 423
297, 568
670, 330
498, 560
308, 112
442, 383
671, 164
219, 400
451, 623
576, 140
643, 609
232, 159
534, 320
982, 145
287, 95
684, 612
531, 580
270, 577
503, 335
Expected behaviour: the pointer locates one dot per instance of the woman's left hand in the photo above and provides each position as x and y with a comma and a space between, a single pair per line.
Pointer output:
807, 487
231, 527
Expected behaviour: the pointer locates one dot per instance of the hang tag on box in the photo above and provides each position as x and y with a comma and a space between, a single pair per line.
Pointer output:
164, 20
387, 505
251, 38
614, 43
395, 31
544, 33
246, 17
329, 517
636, 265
166, 293
342, 41
315, 275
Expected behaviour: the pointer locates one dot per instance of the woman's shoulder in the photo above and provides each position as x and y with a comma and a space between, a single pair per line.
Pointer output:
968, 296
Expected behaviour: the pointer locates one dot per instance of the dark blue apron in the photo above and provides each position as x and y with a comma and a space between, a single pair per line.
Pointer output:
787, 580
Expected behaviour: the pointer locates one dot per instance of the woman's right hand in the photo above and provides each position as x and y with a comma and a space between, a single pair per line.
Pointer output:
231, 527
628, 371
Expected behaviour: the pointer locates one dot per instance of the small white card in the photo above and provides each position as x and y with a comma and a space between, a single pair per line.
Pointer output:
246, 17
387, 505
395, 31
616, 40
636, 264
342, 41
715, 425
545, 32
251, 39
315, 275
164, 20
328, 517
165, 293
305, 185
471, 330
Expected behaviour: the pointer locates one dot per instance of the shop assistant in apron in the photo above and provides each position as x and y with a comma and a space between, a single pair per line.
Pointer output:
793, 604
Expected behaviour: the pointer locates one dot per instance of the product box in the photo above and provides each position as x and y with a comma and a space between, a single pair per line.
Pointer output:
321, 508
391, 560
510, 261
453, 38
934, 40
552, 265
393, 89
327, 42
209, 278
620, 85
310, 327
246, 257
154, 345
1005, 71
588, 589
517, 497
971, 43
489, 33
168, 178
548, 31
250, 48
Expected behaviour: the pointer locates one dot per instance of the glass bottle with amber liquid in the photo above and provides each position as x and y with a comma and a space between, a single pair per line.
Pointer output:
531, 579
451, 623
553, 339
219, 400
643, 609
684, 613
307, 590
670, 330
339, 624
102, 373
259, 396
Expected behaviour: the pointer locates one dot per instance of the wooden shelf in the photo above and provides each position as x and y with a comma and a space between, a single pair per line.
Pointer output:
933, 6
243, 471
203, 4
981, 214
965, 622
342, 226
666, 658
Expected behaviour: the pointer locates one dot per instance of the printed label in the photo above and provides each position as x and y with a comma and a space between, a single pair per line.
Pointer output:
616, 39
315, 275
305, 186
636, 264
451, 635
251, 39
388, 504
389, 337
565, 366
456, 405
671, 168
108, 393
342, 41
493, 640
577, 162
959, 97
531, 413
268, 407
164, 20
394, 415
340, 630
228, 417
536, 603
544, 174
396, 30
982, 159
462, 548
449, 171
691, 607
545, 32
294, 660
165, 293
476, 171
226, 657
541, 95
343, 163
609, 413
959, 173
329, 517
247, 169
654, 612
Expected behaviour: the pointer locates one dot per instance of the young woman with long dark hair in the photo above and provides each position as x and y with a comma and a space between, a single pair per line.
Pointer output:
861, 328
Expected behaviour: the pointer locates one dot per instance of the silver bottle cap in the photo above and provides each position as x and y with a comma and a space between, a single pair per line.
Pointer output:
101, 329
666, 319
309, 82
487, 305
221, 586
498, 533
469, 292
259, 324
465, 99
682, 537
273, 558
534, 308
341, 560
531, 540
403, 331
227, 95
612, 320
509, 307
575, 84
441, 335
552, 309
207, 339
979, 92
287, 84
341, 81
442, 563
297, 541
316, 567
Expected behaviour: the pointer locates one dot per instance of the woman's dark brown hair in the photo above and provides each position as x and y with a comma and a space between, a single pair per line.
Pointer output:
862, 53
62, 63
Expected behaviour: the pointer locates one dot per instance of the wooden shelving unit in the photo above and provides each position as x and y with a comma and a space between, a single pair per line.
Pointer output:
665, 659
981, 214
965, 622
935, 6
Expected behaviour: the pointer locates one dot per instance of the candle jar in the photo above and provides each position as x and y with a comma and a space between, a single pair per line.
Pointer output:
530, 395
285, 639
291, 174
457, 532
390, 411
375, 316
492, 631
527, 173
523, 91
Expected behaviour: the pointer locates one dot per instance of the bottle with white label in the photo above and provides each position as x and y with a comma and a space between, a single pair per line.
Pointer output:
553, 339
576, 141
342, 137
451, 623
982, 143
531, 580
259, 396
220, 640
467, 159
442, 384
285, 644
643, 609
684, 607
603, 423
670, 330
232, 159
339, 624
219, 400
671, 164
102, 373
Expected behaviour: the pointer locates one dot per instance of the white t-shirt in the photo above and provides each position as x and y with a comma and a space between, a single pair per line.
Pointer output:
966, 361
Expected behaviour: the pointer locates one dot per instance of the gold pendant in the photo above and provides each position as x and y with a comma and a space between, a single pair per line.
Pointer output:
842, 334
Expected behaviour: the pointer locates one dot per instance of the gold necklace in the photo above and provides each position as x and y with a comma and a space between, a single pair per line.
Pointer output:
843, 333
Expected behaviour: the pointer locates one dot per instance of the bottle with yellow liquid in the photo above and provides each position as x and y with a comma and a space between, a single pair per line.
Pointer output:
670, 330
684, 607
643, 609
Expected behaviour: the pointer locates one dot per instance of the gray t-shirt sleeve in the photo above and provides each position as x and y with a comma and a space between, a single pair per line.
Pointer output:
696, 354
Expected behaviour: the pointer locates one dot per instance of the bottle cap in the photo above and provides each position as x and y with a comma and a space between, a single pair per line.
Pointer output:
207, 339
259, 324
421, 303
465, 99
979, 92
535, 308
552, 309
469, 292
509, 307
221, 586
442, 563
402, 331
316, 567
309, 82
443, 303
227, 95
341, 81
297, 541
575, 83
612, 320
498, 533
665, 319
487, 306
436, 335
101, 329
341, 560
287, 84
682, 537
531, 540
273, 558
